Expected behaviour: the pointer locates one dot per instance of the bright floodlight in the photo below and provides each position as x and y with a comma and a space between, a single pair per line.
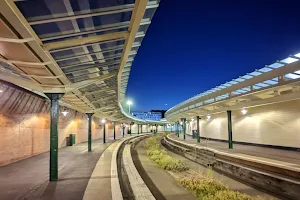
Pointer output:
129, 102
244, 111
208, 116
103, 121
65, 113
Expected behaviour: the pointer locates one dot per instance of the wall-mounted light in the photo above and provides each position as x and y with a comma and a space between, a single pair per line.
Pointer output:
103, 121
192, 119
244, 111
1, 91
208, 116
65, 112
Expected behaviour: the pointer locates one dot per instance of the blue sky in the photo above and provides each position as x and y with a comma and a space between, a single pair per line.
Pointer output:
193, 46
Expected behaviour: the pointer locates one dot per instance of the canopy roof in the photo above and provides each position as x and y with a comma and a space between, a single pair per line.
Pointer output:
83, 48
281, 77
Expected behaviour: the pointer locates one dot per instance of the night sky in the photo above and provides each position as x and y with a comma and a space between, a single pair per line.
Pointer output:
193, 46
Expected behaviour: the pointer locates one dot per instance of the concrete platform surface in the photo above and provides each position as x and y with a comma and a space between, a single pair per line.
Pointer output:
281, 157
28, 179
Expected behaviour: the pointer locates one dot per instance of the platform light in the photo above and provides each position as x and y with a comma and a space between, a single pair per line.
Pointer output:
103, 121
244, 111
65, 112
208, 117
1, 91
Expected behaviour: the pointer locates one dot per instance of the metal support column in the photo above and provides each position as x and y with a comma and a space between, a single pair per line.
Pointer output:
138, 128
54, 115
130, 128
141, 128
114, 130
104, 133
198, 129
90, 115
184, 127
156, 128
229, 129
123, 127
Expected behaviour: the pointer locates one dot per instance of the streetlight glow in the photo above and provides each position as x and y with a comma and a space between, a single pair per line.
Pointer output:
129, 103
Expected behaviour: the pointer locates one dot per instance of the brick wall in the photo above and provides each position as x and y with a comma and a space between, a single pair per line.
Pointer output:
25, 122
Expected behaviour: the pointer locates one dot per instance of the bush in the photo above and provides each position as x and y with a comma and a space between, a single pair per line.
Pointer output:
207, 188
160, 157
227, 194
202, 186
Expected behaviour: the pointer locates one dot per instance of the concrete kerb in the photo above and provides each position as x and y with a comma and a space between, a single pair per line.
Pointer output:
94, 189
137, 184
260, 175
247, 158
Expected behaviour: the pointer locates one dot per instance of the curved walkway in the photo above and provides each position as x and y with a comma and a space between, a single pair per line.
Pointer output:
28, 178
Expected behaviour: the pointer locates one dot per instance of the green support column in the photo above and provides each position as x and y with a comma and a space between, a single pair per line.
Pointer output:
229, 129
156, 128
141, 128
90, 115
130, 128
114, 130
198, 129
54, 116
184, 128
104, 134
177, 128
138, 129
123, 127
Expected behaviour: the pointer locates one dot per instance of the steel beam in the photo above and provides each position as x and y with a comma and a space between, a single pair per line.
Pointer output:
51, 20
85, 40
82, 84
136, 18
120, 47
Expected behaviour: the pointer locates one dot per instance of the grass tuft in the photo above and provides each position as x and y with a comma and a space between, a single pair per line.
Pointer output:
160, 157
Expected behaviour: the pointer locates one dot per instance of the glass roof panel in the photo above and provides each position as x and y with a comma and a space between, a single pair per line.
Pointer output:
289, 60
292, 76
247, 77
265, 69
276, 65
256, 73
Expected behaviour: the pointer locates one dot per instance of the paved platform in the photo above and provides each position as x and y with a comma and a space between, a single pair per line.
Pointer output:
28, 178
281, 157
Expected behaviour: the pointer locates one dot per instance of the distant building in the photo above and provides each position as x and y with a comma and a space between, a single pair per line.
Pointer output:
148, 115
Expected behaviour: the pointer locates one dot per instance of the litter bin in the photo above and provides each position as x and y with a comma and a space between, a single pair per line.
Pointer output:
195, 134
72, 139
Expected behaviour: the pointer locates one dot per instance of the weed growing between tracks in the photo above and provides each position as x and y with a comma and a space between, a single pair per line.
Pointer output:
204, 187
161, 158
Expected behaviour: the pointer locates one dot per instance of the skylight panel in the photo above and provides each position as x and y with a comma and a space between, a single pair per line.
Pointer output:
289, 60
247, 76
276, 65
297, 55
256, 73
265, 69
292, 76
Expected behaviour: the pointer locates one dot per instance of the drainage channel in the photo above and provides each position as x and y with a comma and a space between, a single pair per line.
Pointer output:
131, 183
